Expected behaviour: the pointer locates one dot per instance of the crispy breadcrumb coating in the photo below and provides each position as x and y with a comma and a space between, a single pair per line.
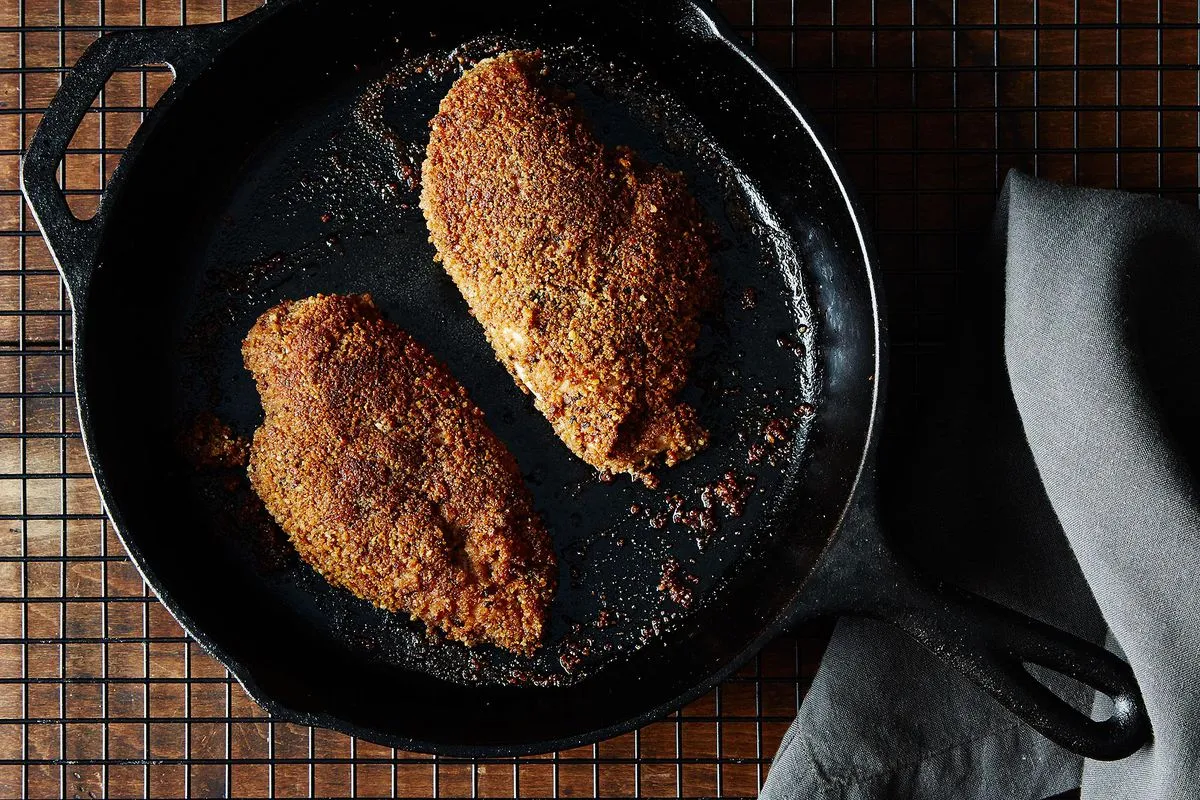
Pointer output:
587, 266
387, 480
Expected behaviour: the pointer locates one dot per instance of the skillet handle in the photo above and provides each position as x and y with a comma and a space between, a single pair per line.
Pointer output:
72, 241
987, 642
992, 645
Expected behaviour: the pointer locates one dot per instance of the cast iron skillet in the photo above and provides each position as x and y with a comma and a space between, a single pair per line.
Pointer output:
269, 171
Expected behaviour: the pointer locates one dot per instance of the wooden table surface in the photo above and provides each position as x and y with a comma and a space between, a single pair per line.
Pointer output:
101, 693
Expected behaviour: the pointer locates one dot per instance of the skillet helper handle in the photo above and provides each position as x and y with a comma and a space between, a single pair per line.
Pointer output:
73, 241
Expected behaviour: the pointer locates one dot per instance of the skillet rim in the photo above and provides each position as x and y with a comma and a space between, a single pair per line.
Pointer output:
720, 30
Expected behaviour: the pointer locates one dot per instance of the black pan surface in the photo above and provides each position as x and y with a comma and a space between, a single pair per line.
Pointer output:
309, 188
337, 161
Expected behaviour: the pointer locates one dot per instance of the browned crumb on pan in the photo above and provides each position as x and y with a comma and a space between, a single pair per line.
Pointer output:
678, 584
778, 434
587, 266
210, 444
386, 478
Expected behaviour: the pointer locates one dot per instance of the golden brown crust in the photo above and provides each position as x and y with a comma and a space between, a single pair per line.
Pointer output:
587, 266
387, 480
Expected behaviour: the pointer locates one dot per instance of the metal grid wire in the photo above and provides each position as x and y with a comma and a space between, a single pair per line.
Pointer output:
101, 693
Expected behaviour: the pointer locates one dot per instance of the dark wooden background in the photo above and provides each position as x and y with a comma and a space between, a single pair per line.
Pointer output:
929, 104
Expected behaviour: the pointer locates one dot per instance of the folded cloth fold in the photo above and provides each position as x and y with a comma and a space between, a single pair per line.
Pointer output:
1054, 473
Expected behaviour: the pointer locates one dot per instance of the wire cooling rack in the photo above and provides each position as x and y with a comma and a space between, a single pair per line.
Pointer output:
928, 103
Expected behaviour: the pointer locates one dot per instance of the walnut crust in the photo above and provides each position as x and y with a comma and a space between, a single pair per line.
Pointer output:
386, 478
587, 266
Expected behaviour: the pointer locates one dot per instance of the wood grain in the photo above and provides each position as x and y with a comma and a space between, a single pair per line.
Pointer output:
927, 119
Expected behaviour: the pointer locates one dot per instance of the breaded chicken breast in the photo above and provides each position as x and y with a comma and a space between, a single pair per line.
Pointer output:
386, 479
587, 266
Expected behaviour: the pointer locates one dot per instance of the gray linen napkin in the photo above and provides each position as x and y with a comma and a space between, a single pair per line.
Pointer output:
1072, 412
